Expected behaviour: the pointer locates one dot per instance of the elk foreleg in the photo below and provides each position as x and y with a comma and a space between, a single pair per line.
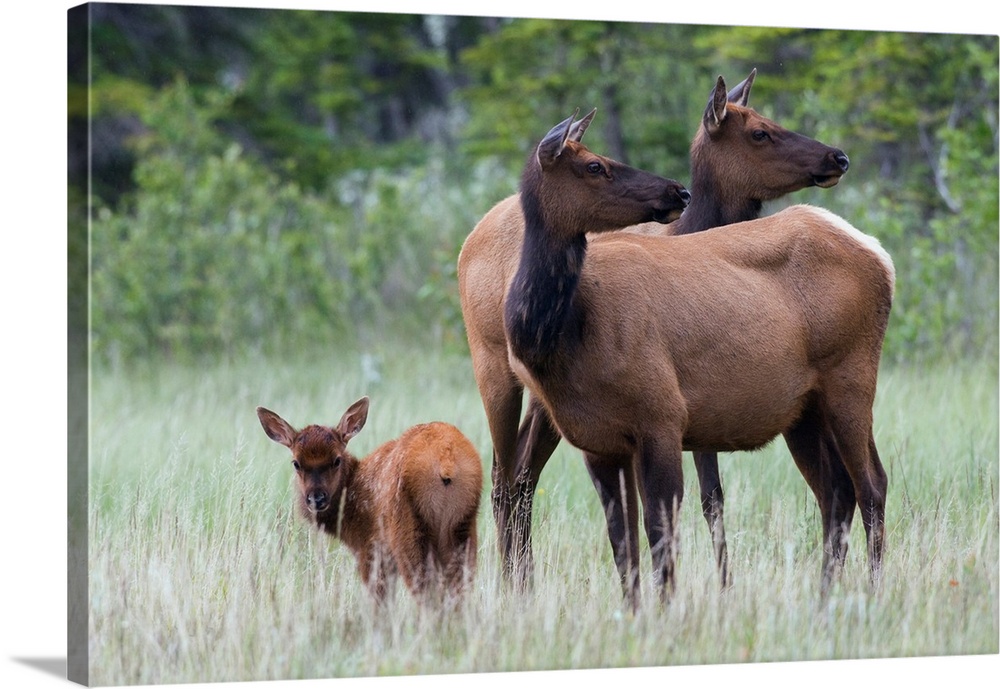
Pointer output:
614, 480
662, 484
378, 573
501, 394
537, 439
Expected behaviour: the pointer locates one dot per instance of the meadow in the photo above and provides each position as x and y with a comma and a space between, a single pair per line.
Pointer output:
201, 571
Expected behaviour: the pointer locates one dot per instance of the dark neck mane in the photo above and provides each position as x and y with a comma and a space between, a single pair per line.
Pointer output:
707, 210
342, 506
540, 312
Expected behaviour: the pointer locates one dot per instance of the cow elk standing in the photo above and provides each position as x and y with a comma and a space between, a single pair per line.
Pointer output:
409, 508
739, 159
640, 347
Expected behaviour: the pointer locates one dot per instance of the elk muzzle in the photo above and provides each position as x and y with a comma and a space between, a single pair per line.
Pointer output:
317, 500
836, 164
672, 204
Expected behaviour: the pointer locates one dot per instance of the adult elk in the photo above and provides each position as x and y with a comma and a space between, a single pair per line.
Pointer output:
408, 508
739, 159
640, 347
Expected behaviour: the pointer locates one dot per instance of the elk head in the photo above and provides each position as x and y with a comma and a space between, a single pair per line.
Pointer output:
613, 195
776, 161
323, 467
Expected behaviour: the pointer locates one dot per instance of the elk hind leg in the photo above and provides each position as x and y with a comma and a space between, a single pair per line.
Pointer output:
873, 513
460, 559
817, 455
849, 409
710, 483
851, 421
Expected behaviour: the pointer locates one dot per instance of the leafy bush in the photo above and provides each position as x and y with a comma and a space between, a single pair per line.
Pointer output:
215, 254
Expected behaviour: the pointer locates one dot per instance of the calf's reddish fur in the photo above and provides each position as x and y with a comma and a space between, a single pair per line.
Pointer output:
408, 508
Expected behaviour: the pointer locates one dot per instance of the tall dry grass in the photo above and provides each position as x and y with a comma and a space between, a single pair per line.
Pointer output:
201, 571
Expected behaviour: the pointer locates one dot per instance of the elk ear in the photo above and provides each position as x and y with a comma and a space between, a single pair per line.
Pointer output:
277, 428
715, 112
579, 128
740, 94
554, 142
353, 419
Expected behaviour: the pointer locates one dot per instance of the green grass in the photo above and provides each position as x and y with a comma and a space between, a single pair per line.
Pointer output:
201, 571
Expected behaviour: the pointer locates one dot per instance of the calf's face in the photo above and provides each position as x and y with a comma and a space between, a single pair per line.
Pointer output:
319, 455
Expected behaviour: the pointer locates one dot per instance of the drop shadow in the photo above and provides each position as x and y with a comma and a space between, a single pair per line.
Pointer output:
50, 666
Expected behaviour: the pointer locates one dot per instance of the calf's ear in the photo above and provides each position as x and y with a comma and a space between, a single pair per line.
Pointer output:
277, 428
353, 419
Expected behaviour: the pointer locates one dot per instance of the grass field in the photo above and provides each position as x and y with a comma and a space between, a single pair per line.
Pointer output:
201, 571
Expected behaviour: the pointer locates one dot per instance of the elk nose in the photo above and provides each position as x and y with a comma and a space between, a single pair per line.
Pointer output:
685, 196
841, 160
318, 500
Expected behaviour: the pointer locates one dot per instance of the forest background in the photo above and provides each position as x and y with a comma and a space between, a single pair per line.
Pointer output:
265, 180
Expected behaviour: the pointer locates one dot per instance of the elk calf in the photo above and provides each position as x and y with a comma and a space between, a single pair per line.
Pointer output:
409, 508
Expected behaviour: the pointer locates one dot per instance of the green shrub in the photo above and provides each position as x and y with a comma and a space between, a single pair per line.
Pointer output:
215, 254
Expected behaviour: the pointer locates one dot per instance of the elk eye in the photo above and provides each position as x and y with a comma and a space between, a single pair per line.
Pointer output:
594, 168
336, 462
296, 465
760, 135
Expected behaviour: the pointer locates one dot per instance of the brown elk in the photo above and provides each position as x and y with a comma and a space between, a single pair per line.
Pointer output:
640, 347
409, 508
739, 159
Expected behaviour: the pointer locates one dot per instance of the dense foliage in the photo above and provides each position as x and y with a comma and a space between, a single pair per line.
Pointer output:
264, 179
